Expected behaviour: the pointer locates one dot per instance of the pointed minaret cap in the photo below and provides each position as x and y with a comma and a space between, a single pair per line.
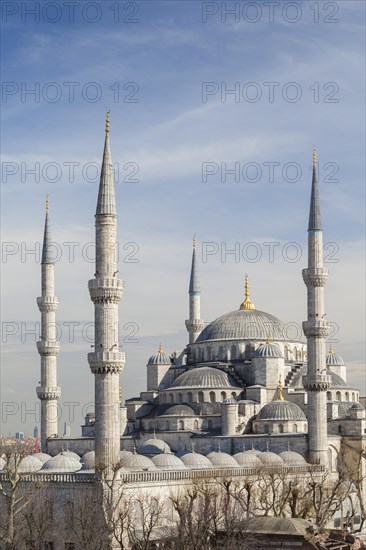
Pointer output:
194, 283
106, 198
315, 222
47, 240
247, 304
279, 387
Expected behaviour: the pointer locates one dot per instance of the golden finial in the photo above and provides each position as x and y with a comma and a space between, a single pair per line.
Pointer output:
247, 304
268, 341
279, 387
47, 203
107, 122
314, 156
194, 242
331, 348
161, 348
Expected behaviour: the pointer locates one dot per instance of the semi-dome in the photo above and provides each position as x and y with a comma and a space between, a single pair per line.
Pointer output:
29, 464
196, 461
61, 463
204, 377
88, 461
154, 446
43, 457
137, 462
222, 460
245, 324
71, 454
168, 462
179, 410
159, 358
271, 459
281, 410
335, 380
268, 350
291, 458
357, 406
246, 459
333, 359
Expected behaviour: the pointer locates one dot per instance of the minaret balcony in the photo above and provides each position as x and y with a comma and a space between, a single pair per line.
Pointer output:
317, 328
106, 289
110, 362
47, 303
317, 382
315, 276
195, 324
45, 347
48, 392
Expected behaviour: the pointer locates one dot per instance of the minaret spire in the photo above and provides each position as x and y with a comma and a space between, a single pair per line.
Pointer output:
106, 362
316, 329
194, 324
48, 348
247, 304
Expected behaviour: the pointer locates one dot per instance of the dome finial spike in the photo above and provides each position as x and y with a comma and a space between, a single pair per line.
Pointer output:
194, 241
331, 349
314, 157
107, 121
161, 348
280, 388
247, 304
47, 203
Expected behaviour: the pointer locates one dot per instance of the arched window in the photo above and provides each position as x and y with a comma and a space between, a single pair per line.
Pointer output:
346, 396
280, 428
180, 398
233, 394
195, 424
329, 396
200, 397
180, 425
167, 427
295, 428
171, 398
209, 424
266, 429
212, 397
338, 396
233, 352
353, 396
190, 397
221, 352
223, 395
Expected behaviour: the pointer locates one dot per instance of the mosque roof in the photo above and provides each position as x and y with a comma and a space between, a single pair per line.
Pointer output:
61, 463
28, 464
277, 526
196, 461
137, 462
245, 324
43, 457
292, 459
179, 410
333, 359
270, 459
268, 350
204, 377
154, 446
222, 460
281, 410
159, 358
247, 459
168, 462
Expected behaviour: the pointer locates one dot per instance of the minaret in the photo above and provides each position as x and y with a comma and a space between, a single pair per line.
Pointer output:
316, 329
48, 392
194, 324
106, 362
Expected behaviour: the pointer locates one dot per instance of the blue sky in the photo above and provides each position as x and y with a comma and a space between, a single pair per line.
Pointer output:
168, 132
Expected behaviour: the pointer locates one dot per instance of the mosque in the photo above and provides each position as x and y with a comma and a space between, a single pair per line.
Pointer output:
240, 394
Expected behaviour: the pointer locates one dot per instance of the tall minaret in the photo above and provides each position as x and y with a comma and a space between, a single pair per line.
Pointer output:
48, 392
316, 329
194, 324
106, 362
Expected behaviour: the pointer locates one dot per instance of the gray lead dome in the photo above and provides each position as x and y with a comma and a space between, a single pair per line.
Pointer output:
281, 410
204, 377
245, 325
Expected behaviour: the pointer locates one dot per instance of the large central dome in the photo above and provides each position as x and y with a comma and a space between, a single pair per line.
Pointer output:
245, 324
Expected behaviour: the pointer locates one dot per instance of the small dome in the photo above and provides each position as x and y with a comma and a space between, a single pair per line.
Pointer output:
292, 459
71, 454
247, 459
357, 407
333, 359
168, 462
196, 461
137, 462
268, 350
204, 377
281, 410
152, 447
222, 460
271, 459
88, 461
43, 457
61, 464
179, 410
230, 401
159, 358
29, 464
